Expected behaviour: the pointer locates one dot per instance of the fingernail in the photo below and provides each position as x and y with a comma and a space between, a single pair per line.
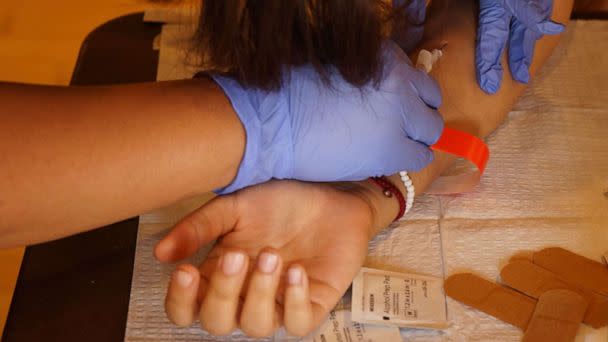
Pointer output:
294, 276
183, 278
267, 262
232, 263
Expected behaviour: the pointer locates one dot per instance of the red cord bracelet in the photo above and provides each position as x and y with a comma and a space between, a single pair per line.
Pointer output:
389, 189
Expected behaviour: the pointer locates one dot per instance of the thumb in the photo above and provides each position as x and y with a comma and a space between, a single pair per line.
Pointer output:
207, 223
413, 156
551, 27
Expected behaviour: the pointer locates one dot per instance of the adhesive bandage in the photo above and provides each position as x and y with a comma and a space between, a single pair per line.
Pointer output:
557, 317
574, 268
547, 295
503, 303
534, 280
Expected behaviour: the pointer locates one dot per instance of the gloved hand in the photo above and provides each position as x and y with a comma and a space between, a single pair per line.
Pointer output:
313, 132
408, 36
522, 22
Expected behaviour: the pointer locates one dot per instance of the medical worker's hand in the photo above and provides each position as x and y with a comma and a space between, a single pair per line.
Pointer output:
286, 252
309, 131
520, 23
409, 36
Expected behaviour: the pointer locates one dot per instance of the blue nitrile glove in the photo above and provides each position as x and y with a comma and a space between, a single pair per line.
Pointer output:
522, 22
415, 13
313, 132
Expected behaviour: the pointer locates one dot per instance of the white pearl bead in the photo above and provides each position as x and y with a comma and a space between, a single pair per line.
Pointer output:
409, 186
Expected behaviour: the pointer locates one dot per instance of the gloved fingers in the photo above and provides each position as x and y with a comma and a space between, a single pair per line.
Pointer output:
492, 35
551, 27
415, 10
411, 156
427, 88
534, 15
423, 123
521, 51
409, 36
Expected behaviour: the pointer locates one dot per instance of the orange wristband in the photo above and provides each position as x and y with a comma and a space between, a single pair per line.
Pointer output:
466, 146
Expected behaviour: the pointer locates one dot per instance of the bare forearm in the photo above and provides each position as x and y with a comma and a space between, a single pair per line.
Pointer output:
77, 158
465, 106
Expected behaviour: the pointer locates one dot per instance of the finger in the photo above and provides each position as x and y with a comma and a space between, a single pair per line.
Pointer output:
423, 123
258, 315
408, 38
407, 155
492, 34
297, 316
181, 300
202, 226
551, 27
533, 15
218, 313
203, 285
413, 156
208, 267
323, 299
521, 51
427, 88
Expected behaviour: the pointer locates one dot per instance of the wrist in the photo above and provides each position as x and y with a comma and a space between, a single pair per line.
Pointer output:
267, 138
382, 209
424, 178
385, 208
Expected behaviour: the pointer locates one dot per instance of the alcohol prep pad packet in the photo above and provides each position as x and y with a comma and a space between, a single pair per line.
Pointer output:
340, 328
399, 299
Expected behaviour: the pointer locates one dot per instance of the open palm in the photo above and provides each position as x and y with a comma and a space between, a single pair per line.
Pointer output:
321, 229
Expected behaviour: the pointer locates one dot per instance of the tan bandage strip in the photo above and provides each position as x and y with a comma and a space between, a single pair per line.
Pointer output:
503, 303
534, 280
557, 317
525, 255
573, 268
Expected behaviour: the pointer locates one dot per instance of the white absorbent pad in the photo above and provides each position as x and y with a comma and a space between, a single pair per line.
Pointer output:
546, 184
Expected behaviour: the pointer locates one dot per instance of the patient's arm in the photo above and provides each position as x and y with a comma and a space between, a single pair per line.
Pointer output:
465, 106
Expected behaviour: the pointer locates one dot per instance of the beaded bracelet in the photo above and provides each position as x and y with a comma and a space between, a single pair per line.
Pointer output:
411, 192
389, 189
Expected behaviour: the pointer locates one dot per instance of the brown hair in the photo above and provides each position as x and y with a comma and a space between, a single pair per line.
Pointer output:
255, 40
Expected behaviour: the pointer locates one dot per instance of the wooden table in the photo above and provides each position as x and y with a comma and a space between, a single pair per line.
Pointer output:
590, 9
